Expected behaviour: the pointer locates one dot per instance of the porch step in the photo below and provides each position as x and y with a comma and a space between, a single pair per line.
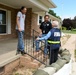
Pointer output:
8, 62
8, 57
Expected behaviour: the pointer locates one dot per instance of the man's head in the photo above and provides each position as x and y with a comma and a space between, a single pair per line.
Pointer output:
46, 18
23, 9
55, 24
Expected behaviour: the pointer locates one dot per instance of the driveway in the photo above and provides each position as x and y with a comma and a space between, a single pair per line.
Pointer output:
71, 46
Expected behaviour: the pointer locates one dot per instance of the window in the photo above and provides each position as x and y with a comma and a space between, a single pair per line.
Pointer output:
5, 21
2, 21
40, 19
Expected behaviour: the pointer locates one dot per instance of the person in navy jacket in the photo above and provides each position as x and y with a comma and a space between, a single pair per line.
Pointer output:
53, 37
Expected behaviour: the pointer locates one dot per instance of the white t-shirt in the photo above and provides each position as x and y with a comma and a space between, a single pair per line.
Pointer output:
21, 20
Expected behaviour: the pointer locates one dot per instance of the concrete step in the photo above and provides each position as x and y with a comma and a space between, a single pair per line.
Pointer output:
8, 62
8, 57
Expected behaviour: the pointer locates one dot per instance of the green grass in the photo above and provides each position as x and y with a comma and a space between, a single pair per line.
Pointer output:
75, 54
69, 31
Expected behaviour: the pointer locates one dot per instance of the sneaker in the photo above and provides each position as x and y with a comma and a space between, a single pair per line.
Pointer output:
18, 52
23, 52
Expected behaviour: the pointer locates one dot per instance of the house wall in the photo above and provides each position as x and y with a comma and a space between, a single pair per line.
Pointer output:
28, 21
34, 24
13, 22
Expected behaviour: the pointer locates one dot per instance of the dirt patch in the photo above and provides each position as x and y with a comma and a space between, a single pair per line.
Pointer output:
23, 71
64, 39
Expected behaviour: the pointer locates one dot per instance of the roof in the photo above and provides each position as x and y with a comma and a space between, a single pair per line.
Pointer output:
36, 5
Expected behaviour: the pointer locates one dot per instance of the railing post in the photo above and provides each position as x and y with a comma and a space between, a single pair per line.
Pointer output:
33, 38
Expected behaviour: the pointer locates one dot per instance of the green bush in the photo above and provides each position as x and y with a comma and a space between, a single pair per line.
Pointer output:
74, 29
64, 28
75, 53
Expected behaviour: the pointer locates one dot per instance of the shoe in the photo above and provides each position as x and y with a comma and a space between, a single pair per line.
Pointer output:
23, 52
18, 52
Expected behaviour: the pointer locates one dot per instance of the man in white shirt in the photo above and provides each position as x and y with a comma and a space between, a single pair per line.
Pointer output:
20, 24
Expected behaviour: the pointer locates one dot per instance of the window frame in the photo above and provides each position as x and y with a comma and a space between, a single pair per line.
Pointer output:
6, 22
39, 19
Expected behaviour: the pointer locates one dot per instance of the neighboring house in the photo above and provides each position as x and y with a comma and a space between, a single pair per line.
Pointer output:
34, 16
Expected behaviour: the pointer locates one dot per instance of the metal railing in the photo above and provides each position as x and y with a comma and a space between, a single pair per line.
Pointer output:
30, 48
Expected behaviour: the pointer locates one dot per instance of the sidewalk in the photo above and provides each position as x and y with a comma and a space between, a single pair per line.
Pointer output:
70, 45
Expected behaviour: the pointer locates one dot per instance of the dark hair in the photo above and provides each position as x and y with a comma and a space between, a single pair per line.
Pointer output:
46, 16
22, 7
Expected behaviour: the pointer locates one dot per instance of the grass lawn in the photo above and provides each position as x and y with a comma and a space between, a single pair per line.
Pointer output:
69, 31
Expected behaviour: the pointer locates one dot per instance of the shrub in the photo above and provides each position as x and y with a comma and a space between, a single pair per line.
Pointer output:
64, 28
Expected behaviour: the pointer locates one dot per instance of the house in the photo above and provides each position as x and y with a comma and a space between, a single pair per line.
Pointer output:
36, 9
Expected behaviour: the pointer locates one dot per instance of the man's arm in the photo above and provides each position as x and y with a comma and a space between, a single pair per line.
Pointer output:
45, 37
17, 21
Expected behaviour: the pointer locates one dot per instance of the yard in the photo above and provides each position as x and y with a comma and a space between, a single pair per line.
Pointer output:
73, 31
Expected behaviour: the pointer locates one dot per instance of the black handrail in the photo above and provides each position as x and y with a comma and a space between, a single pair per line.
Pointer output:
34, 37
30, 48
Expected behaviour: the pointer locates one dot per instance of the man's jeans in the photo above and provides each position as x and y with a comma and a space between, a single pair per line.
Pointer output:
37, 42
20, 40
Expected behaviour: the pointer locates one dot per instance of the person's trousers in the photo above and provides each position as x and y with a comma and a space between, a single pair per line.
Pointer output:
20, 45
37, 42
53, 55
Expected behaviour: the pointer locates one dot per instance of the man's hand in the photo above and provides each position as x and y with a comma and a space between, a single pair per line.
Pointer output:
19, 29
37, 38
40, 34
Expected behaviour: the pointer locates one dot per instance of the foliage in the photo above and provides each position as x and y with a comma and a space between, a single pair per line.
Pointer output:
67, 23
74, 22
63, 28
53, 13
75, 18
58, 17
70, 32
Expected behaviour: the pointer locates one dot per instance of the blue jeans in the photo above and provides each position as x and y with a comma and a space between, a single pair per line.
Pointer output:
37, 44
20, 45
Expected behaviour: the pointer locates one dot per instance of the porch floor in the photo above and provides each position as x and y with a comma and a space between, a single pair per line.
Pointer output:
8, 45
8, 51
